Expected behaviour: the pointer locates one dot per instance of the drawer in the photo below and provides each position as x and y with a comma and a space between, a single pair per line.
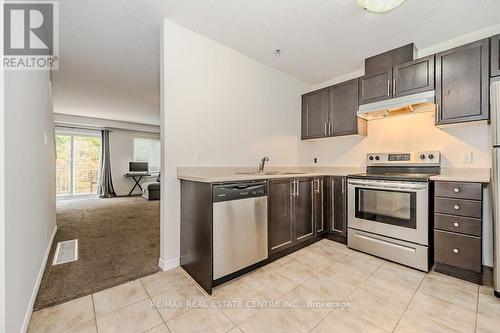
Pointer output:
460, 224
471, 191
468, 208
457, 250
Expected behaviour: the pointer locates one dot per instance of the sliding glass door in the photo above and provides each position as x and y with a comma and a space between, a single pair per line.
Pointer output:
77, 164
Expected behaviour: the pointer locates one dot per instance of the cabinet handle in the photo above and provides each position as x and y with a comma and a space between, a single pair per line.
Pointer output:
456, 225
388, 87
297, 188
393, 87
455, 251
317, 185
330, 128
456, 190
343, 185
456, 207
325, 130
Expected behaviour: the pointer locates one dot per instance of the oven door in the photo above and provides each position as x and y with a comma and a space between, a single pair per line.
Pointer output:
390, 208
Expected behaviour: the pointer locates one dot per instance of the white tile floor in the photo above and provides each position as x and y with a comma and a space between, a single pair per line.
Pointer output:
379, 296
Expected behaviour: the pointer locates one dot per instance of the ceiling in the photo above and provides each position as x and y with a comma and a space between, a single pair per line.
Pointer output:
110, 49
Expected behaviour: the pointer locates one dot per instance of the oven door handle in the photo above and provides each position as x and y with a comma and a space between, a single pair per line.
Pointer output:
411, 187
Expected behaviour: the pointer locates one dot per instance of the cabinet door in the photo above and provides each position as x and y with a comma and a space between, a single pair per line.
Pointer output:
495, 55
318, 202
462, 83
413, 77
344, 107
315, 114
280, 220
337, 201
375, 87
303, 209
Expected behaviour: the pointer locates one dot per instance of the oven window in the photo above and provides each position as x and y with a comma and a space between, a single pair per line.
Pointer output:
387, 206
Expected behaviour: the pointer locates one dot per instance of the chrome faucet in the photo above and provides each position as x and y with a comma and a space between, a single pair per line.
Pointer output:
262, 163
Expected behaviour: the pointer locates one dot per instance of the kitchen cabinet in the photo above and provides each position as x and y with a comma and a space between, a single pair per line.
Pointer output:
336, 207
495, 56
295, 212
280, 212
303, 208
315, 113
318, 206
462, 83
413, 77
332, 111
403, 79
344, 106
375, 87
458, 229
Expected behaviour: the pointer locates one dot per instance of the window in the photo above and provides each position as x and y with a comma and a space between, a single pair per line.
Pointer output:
77, 163
148, 150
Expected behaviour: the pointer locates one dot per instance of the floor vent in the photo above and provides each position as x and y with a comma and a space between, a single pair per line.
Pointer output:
66, 251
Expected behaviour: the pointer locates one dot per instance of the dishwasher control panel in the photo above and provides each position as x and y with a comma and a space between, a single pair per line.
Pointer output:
236, 191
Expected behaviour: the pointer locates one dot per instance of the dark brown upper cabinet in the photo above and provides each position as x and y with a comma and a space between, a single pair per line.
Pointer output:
315, 111
495, 56
334, 117
344, 105
375, 87
413, 77
462, 83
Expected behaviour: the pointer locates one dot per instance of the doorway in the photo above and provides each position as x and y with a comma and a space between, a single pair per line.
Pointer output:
77, 163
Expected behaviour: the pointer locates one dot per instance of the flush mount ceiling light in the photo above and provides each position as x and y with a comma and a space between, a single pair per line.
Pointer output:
379, 6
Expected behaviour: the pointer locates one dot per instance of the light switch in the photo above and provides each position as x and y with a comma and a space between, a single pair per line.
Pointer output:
467, 157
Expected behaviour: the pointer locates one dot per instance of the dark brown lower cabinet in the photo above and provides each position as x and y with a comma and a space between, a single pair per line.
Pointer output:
280, 221
294, 212
319, 203
336, 207
458, 230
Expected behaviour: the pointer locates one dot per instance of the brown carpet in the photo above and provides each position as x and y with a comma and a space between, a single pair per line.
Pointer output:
118, 240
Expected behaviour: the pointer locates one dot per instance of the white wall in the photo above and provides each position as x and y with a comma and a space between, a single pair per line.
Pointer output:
220, 108
406, 133
121, 150
30, 190
2, 199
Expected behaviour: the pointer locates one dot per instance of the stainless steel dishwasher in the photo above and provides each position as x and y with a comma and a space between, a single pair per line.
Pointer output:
240, 226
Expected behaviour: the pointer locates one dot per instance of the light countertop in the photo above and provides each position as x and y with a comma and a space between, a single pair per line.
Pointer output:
474, 175
229, 174
223, 174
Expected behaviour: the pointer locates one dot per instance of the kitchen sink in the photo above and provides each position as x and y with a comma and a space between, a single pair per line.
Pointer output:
269, 173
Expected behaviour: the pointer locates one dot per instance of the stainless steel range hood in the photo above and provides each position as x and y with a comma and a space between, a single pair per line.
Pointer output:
416, 103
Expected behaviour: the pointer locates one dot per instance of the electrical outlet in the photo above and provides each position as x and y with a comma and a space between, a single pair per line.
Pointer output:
467, 157
315, 160
198, 157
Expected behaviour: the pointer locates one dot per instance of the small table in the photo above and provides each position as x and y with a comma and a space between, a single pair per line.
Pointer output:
137, 177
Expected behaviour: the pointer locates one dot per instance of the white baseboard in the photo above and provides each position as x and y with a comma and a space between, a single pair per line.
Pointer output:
165, 265
29, 311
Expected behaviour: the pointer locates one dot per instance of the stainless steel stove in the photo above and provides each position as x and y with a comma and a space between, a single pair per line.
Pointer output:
388, 207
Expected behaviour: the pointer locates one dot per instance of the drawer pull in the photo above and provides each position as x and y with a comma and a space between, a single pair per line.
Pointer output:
456, 207
456, 190
455, 251
456, 225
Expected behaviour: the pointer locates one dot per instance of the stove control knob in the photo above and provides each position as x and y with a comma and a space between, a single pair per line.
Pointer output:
370, 158
377, 158
422, 157
431, 156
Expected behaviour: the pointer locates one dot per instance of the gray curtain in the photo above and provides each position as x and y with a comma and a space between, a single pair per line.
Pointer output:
105, 188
